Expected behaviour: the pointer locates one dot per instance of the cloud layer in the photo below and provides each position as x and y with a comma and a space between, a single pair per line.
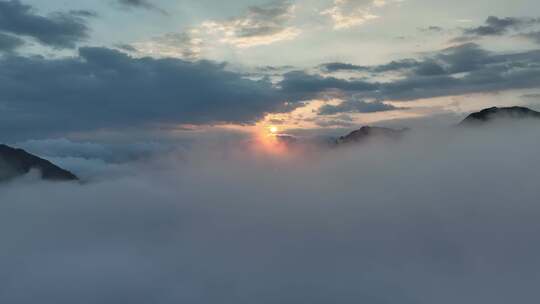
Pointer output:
466, 68
103, 88
107, 89
58, 30
432, 219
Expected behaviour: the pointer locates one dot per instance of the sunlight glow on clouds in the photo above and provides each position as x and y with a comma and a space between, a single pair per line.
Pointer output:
186, 45
261, 25
349, 13
232, 37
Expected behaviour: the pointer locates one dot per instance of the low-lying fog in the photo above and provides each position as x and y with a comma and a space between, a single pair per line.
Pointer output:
446, 216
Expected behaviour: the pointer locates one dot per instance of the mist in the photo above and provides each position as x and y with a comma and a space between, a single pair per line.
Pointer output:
441, 216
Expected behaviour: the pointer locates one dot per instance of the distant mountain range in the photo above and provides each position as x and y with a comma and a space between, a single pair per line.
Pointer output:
475, 119
17, 162
366, 133
492, 114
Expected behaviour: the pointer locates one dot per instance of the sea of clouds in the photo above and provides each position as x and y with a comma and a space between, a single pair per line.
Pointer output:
442, 216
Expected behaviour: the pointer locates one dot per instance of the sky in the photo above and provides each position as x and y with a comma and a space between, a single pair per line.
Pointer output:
77, 69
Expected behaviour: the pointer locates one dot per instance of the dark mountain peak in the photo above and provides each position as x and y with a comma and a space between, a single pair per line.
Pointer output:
367, 132
496, 113
17, 162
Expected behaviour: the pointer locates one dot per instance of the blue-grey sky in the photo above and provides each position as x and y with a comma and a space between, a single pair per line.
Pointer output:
72, 67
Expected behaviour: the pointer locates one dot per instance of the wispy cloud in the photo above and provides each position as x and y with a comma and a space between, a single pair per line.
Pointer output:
260, 25
496, 26
356, 106
186, 45
349, 13
143, 4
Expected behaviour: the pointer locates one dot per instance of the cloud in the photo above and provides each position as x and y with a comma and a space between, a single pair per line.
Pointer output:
103, 88
468, 69
495, 26
106, 89
58, 30
302, 85
349, 13
340, 66
535, 96
84, 13
260, 25
107, 152
533, 36
430, 219
141, 4
355, 106
125, 47
186, 45
9, 43
458, 70
432, 29
334, 123
393, 66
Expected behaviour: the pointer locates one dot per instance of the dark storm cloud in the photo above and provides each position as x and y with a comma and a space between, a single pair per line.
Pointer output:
463, 58
429, 68
392, 66
58, 30
104, 88
143, 4
355, 106
300, 85
340, 66
396, 66
9, 43
469, 69
463, 69
495, 26
499, 26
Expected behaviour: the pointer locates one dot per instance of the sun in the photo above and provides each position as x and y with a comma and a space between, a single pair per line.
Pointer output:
273, 129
